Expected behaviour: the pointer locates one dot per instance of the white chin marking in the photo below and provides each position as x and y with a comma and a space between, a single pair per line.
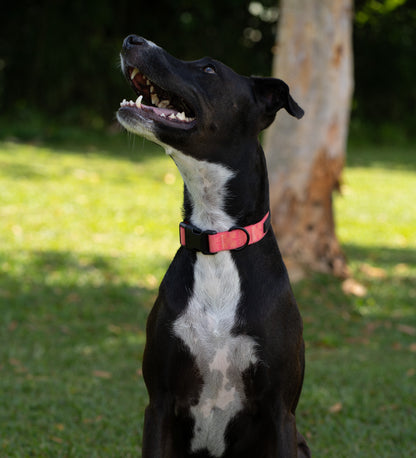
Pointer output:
144, 130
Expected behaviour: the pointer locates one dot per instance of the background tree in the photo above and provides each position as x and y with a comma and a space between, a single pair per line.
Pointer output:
306, 157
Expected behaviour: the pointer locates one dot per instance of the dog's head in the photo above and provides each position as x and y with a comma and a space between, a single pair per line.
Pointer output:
196, 104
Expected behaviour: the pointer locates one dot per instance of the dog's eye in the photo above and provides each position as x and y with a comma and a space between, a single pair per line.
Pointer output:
210, 69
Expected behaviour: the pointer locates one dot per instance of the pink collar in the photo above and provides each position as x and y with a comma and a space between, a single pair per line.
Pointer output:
211, 242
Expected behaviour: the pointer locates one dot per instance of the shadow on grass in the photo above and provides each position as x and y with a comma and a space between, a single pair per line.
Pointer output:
60, 287
76, 141
359, 381
71, 340
388, 156
367, 151
20, 171
337, 315
387, 257
73, 331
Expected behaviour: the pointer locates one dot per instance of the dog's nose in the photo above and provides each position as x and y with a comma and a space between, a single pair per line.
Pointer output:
133, 40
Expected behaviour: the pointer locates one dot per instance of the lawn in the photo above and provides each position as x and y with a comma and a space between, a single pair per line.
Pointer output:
87, 230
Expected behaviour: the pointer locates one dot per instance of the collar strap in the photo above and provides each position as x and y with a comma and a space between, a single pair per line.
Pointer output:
211, 242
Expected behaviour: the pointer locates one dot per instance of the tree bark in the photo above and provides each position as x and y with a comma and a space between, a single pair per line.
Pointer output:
305, 158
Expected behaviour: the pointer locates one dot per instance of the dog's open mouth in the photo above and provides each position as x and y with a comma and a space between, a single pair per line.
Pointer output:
155, 103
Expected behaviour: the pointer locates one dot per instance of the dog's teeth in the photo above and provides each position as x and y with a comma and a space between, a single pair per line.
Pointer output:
163, 104
134, 73
148, 83
139, 101
172, 116
162, 115
155, 99
181, 116
152, 89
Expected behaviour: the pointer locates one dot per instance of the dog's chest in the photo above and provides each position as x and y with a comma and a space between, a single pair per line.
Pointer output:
206, 326
221, 357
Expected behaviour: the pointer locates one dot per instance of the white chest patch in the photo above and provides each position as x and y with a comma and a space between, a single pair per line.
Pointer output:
206, 325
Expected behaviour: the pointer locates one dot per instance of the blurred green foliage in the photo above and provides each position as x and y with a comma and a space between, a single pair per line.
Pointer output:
385, 63
59, 58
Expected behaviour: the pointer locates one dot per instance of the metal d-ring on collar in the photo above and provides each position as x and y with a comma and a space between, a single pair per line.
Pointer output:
239, 228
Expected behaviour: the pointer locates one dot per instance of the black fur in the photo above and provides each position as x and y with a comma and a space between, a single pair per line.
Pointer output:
230, 111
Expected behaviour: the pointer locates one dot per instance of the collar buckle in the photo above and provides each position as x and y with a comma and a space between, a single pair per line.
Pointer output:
194, 238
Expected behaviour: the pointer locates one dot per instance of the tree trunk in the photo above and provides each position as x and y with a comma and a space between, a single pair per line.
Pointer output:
306, 157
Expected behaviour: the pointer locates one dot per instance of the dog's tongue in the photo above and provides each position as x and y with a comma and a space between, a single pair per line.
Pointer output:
168, 113
160, 111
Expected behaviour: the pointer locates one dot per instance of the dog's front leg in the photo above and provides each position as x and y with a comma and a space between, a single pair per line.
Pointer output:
158, 440
303, 449
287, 439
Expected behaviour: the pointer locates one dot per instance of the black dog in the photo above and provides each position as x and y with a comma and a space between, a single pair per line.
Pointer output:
224, 358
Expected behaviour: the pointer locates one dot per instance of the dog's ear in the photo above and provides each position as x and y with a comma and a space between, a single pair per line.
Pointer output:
273, 94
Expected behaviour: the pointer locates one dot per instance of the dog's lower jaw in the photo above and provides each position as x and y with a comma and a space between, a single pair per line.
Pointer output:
143, 128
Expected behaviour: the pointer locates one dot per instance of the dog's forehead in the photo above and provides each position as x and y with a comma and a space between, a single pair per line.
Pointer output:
219, 67
221, 81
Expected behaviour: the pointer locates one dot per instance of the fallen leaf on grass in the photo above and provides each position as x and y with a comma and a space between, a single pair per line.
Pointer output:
102, 374
169, 178
388, 407
406, 329
58, 440
151, 280
401, 268
373, 272
359, 340
372, 326
337, 407
88, 421
412, 347
73, 298
114, 329
18, 366
411, 372
12, 326
351, 286
308, 319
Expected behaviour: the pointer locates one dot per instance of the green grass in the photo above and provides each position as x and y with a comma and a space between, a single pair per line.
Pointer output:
87, 230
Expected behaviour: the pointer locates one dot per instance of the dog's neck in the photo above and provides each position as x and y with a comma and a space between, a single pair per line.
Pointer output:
219, 196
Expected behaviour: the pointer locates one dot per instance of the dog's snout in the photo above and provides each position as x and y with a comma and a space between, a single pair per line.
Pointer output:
133, 40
